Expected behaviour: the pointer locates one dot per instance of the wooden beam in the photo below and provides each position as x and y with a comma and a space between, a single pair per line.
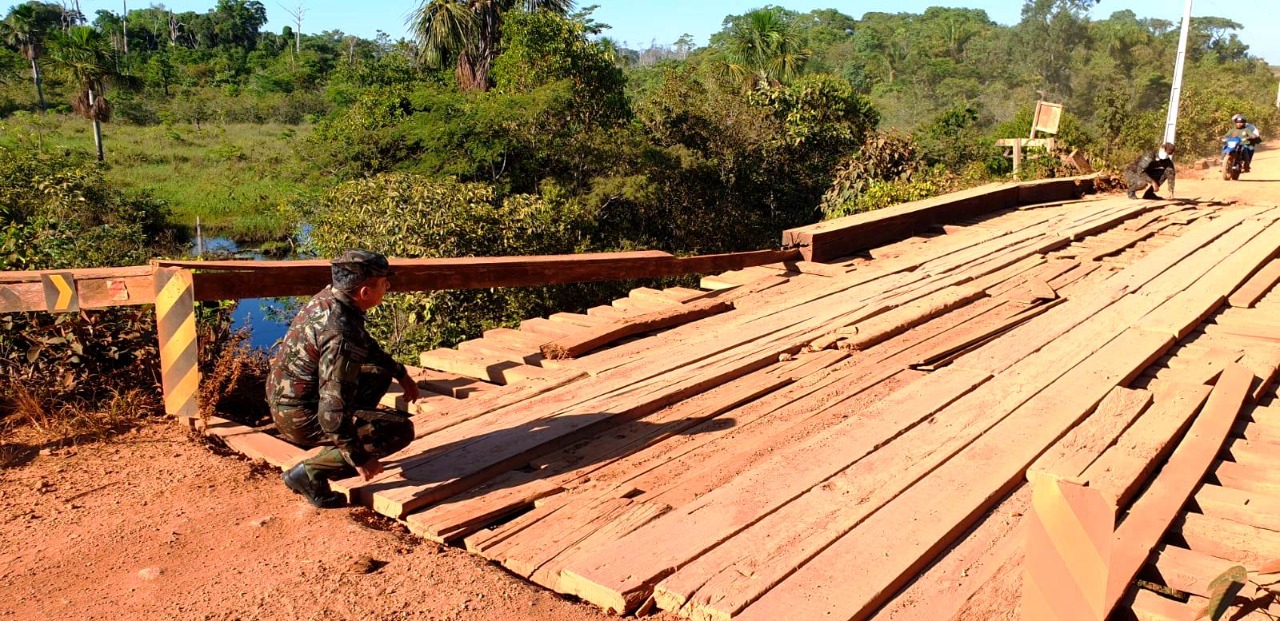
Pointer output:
836, 238
1159, 505
1249, 293
219, 280
575, 345
93, 288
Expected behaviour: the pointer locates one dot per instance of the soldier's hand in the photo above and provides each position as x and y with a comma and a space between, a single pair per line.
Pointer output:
411, 392
370, 469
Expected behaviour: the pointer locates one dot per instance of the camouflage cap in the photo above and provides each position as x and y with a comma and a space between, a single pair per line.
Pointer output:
353, 267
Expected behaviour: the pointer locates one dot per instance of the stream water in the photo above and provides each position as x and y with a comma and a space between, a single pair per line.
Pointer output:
267, 318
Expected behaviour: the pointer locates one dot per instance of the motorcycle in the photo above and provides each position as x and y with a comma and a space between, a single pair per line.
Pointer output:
1232, 158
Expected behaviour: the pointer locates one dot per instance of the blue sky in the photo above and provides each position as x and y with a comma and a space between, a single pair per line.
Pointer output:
639, 22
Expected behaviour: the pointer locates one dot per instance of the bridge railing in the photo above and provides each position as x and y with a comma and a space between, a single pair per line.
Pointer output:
174, 287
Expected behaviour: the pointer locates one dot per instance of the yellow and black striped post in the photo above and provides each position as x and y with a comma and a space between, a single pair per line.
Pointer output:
1070, 530
176, 327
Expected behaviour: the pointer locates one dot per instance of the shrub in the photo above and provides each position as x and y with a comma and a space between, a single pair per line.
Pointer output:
60, 213
407, 215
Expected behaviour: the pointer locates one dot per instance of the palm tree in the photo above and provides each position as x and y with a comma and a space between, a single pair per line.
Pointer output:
761, 46
81, 55
22, 30
469, 31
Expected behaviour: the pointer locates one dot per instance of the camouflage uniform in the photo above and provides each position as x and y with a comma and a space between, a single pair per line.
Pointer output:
325, 384
1150, 170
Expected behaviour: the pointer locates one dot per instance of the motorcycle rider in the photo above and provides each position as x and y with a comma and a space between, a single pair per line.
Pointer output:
1248, 133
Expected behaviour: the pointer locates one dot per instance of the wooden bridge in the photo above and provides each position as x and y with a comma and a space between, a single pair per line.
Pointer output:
1012, 401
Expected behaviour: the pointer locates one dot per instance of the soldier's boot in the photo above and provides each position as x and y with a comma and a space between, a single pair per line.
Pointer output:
1151, 195
316, 490
1132, 195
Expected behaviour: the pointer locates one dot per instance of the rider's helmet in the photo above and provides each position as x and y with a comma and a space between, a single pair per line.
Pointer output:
1239, 118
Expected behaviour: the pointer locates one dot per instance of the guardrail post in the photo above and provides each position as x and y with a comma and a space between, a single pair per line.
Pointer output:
1070, 530
176, 327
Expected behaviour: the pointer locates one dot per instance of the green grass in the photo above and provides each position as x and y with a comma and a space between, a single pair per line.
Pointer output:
234, 178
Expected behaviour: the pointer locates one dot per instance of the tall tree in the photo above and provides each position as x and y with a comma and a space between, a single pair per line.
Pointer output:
763, 46
81, 55
26, 29
469, 31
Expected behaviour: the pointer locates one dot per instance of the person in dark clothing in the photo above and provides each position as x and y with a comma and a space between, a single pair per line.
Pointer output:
1249, 133
1151, 170
328, 377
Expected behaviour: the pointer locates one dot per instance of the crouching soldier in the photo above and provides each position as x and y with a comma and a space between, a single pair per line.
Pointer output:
1152, 169
327, 378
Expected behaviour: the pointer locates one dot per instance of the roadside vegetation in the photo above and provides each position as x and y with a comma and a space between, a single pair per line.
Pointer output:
535, 133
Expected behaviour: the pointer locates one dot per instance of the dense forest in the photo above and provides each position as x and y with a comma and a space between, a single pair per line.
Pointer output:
507, 127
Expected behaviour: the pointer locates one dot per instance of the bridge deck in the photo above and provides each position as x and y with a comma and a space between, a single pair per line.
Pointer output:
851, 439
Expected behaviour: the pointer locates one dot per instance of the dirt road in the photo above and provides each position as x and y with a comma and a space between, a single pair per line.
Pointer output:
155, 525
1261, 186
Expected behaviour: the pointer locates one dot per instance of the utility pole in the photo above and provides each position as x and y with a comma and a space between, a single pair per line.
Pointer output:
1175, 96
124, 21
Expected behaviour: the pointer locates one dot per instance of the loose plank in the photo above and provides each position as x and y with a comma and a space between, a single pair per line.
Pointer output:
579, 344
1156, 509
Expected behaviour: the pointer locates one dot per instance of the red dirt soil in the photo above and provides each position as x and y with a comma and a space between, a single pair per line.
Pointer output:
156, 525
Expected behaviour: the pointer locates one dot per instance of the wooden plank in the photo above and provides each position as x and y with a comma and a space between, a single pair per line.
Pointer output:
579, 344
858, 572
896, 321
479, 367
843, 236
501, 351
255, 444
1121, 468
1248, 295
461, 515
577, 319
1117, 246
1248, 477
1151, 606
951, 349
518, 338
649, 294
1087, 441
621, 575
1157, 507
729, 577
448, 384
1124, 468
484, 402
1240, 543
95, 288
550, 330
241, 279
1259, 509
975, 562
808, 267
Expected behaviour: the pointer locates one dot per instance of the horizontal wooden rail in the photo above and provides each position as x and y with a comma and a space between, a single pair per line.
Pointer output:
70, 290
262, 279
840, 237
77, 289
